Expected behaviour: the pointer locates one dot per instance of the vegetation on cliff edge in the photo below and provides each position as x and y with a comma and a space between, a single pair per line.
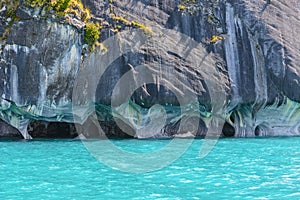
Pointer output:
64, 9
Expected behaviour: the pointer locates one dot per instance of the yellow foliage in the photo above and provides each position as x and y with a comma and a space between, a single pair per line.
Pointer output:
189, 6
121, 19
146, 29
181, 7
216, 38
126, 22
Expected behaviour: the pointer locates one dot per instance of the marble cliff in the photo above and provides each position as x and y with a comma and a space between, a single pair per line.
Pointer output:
53, 80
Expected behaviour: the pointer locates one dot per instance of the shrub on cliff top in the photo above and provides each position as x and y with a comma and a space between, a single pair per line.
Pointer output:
91, 34
62, 8
34, 3
61, 5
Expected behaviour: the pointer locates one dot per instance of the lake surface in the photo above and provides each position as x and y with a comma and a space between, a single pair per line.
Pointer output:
257, 168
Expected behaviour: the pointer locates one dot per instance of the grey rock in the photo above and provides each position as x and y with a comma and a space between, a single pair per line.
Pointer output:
7, 131
23, 14
256, 68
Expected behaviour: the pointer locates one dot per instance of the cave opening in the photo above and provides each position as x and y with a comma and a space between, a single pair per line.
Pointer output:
257, 131
43, 129
228, 130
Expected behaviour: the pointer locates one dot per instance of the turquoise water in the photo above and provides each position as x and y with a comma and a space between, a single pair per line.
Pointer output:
267, 168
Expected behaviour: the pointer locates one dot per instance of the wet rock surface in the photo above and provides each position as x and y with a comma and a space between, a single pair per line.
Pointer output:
7, 131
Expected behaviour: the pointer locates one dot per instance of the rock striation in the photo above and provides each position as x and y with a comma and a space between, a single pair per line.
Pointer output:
237, 61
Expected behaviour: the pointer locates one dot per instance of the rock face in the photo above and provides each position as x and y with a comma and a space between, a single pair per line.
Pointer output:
7, 131
238, 60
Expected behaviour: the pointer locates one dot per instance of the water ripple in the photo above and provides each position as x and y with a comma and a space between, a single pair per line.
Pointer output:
235, 169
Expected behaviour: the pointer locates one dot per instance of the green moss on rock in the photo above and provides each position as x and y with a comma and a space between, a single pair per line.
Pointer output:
91, 34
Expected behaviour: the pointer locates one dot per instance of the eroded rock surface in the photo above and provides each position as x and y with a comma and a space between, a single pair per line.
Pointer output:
249, 76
